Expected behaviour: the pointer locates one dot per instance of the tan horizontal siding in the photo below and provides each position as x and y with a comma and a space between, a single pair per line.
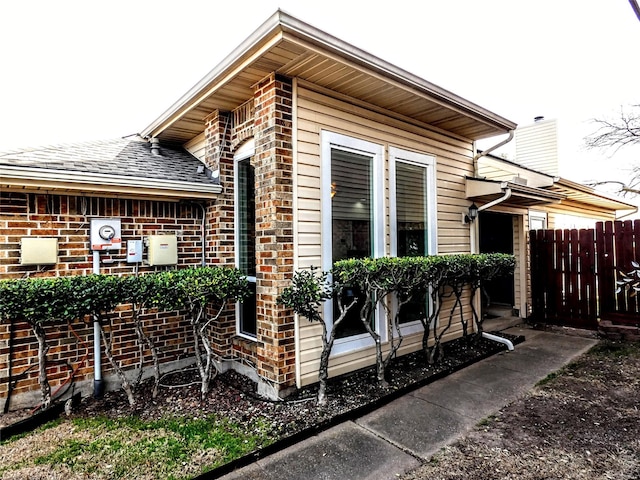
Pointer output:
316, 112
196, 146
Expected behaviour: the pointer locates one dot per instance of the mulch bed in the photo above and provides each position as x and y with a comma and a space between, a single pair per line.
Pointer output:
234, 396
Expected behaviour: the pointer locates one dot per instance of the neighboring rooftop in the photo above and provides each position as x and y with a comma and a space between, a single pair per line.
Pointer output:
125, 166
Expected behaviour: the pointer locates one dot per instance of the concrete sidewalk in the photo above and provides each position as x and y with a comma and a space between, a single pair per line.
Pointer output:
401, 435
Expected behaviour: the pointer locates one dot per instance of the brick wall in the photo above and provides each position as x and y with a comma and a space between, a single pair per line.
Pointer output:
220, 216
274, 228
273, 352
68, 219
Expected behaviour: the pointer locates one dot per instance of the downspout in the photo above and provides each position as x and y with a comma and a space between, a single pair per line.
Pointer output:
473, 230
628, 214
505, 197
498, 339
477, 156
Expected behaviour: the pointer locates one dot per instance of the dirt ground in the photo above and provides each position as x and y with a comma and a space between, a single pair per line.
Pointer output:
583, 423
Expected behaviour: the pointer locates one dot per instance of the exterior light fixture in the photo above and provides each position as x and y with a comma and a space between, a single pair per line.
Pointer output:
472, 215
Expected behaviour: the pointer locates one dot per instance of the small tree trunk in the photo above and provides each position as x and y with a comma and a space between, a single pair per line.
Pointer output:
209, 367
43, 348
327, 346
437, 351
144, 339
394, 324
476, 318
107, 341
204, 383
323, 371
365, 316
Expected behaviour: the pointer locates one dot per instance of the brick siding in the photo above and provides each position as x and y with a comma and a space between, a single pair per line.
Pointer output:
68, 218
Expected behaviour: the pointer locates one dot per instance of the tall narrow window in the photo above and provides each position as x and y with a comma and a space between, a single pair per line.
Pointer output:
352, 219
245, 230
412, 182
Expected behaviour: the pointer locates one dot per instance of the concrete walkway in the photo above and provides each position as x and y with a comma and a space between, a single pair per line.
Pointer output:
406, 432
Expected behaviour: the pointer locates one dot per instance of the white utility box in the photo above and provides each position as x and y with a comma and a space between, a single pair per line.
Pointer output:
106, 234
162, 250
134, 251
38, 251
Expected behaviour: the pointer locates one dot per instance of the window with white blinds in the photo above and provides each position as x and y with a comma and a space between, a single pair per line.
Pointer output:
352, 218
413, 218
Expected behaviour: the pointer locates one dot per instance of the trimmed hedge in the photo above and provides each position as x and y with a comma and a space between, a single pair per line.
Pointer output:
55, 301
376, 281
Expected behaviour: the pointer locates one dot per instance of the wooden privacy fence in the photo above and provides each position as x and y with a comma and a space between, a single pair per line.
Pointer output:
574, 274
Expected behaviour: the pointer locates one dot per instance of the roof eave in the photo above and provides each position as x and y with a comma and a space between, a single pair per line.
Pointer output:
272, 30
253, 43
20, 178
477, 188
611, 202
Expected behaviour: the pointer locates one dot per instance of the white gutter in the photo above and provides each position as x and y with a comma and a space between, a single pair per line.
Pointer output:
47, 177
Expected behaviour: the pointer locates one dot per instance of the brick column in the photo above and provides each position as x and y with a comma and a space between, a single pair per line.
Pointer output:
274, 228
220, 221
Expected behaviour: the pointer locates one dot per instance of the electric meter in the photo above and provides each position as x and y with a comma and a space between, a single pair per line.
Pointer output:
106, 234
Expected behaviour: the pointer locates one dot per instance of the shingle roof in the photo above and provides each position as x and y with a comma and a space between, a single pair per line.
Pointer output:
129, 157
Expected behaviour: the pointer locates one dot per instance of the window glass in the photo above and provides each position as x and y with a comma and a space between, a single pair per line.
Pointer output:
246, 242
537, 220
247, 312
246, 218
411, 209
413, 221
411, 226
351, 220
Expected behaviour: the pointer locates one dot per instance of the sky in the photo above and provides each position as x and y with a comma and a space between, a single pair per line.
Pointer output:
74, 71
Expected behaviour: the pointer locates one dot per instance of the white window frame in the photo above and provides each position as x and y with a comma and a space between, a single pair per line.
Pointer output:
331, 140
538, 215
428, 162
246, 150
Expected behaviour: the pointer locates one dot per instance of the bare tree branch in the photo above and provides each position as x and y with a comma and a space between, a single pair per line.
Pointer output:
617, 133
624, 188
611, 136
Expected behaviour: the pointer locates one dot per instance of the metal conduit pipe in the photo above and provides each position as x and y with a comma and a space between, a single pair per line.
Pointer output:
98, 383
203, 230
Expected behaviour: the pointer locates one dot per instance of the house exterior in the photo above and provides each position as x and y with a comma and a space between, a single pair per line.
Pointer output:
515, 199
296, 151
339, 154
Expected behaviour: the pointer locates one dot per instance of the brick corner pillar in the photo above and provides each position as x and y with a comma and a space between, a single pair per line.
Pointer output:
274, 230
220, 221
